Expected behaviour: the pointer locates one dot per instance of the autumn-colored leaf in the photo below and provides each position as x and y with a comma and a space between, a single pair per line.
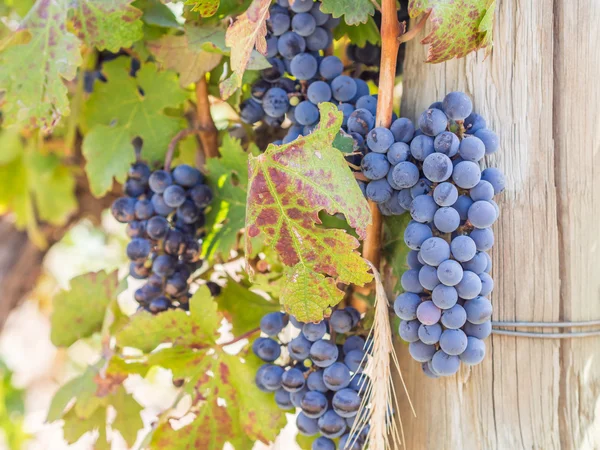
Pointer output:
289, 185
206, 8
245, 34
173, 52
458, 27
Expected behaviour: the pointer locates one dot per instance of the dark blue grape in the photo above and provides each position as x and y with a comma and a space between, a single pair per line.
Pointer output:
186, 176
251, 111
278, 23
304, 24
123, 209
304, 66
306, 113
159, 205
319, 92
159, 180
343, 88
331, 67
290, 44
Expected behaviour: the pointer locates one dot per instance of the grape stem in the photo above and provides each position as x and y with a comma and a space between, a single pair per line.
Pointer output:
390, 30
209, 137
240, 337
405, 37
173, 144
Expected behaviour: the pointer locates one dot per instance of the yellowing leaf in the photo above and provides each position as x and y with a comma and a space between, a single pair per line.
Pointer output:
195, 330
206, 8
80, 310
117, 112
107, 24
174, 53
33, 72
289, 185
459, 27
246, 33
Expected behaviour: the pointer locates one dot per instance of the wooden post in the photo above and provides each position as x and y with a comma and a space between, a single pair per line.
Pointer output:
540, 91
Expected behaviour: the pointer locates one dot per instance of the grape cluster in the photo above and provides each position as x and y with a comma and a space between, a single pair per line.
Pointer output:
164, 212
312, 372
445, 309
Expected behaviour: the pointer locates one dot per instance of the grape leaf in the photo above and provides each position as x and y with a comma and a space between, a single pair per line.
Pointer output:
34, 183
81, 385
174, 53
34, 64
289, 185
242, 307
228, 177
75, 427
157, 14
195, 330
354, 11
359, 34
458, 27
206, 8
107, 24
80, 310
246, 33
128, 421
394, 249
247, 415
117, 112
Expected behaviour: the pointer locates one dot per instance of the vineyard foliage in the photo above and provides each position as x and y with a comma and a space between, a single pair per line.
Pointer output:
87, 87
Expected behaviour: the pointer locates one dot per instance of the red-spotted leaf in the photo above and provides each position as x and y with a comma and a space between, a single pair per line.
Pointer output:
232, 408
107, 24
288, 186
459, 27
246, 33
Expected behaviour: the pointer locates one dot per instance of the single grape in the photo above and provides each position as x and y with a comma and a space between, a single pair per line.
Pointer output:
301, 6
446, 219
454, 317
477, 264
403, 130
319, 92
123, 209
420, 351
304, 24
340, 321
159, 180
428, 277
410, 281
331, 67
353, 343
299, 348
375, 166
346, 403
186, 176
159, 304
139, 171
487, 284
453, 342
483, 191
421, 147
475, 351
343, 88
320, 16
446, 143
290, 44
398, 152
415, 234
159, 205
337, 376
423, 209
462, 205
443, 364
413, 260
404, 174
136, 228
437, 167
134, 188
432, 122
355, 360
482, 214
406, 304
457, 105
483, 238
306, 113
272, 323
304, 66
471, 149
144, 209
490, 140
266, 349
282, 398
323, 353
306, 425
174, 196
188, 212
275, 102
428, 313
430, 334
157, 227
296, 397
470, 285
320, 39
293, 380
474, 123
360, 121
380, 139
479, 310
434, 251
174, 242
314, 331
331, 424
251, 111
495, 177
409, 330
444, 297
201, 195
269, 376
379, 191
450, 272
466, 174
314, 404
278, 23
480, 331
314, 382
369, 103
323, 443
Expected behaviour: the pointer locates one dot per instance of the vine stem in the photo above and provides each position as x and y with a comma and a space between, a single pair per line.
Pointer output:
240, 337
209, 137
390, 30
173, 144
405, 37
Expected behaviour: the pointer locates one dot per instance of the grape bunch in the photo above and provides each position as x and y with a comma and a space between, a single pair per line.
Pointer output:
445, 309
164, 212
318, 371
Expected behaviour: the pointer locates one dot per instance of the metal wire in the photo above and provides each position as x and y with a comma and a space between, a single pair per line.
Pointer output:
588, 323
566, 335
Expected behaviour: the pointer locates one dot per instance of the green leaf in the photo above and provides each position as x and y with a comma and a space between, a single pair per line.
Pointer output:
394, 249
246, 33
173, 52
343, 142
359, 34
228, 177
354, 11
80, 310
458, 27
157, 14
243, 307
248, 415
128, 421
75, 427
43, 54
107, 24
117, 112
201, 36
289, 185
305, 442
195, 330
82, 385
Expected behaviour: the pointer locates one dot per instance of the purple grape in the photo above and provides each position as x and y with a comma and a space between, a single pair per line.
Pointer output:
410, 281
428, 313
480, 331
444, 297
446, 219
406, 305
423, 209
450, 272
471, 149
420, 351
446, 143
445, 194
403, 130
398, 152
415, 234
336, 376
421, 147
479, 310
463, 248
466, 174
379, 139
454, 318
430, 334
457, 105
487, 284
490, 140
409, 330
475, 351
428, 277
313, 404
470, 285
434, 251
443, 364
482, 214
323, 353
453, 342
432, 122
495, 177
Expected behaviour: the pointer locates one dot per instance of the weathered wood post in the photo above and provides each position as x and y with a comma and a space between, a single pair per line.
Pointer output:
540, 91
